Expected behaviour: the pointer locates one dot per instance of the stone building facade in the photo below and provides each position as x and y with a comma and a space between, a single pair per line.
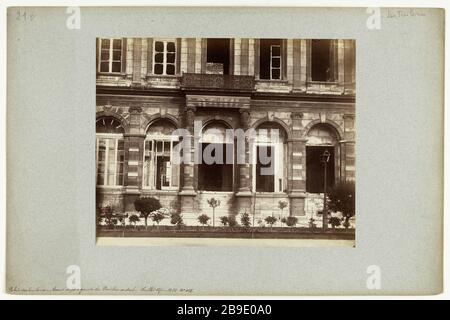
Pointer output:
148, 87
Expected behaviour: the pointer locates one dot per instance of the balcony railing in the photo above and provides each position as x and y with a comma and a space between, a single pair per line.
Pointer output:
197, 81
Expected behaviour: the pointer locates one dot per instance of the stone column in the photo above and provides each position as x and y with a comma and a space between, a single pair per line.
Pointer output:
244, 194
297, 167
134, 148
348, 148
188, 193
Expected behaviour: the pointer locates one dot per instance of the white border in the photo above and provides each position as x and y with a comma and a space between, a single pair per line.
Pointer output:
268, 3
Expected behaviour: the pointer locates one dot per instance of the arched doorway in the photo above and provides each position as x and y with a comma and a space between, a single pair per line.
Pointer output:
160, 172
110, 154
320, 138
270, 158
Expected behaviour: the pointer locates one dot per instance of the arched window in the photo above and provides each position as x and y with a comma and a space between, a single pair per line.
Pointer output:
160, 171
110, 153
215, 169
269, 154
321, 137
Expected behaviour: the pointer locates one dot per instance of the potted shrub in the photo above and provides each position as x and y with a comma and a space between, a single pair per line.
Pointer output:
245, 220
177, 220
270, 220
203, 219
335, 222
157, 217
290, 221
224, 220
134, 218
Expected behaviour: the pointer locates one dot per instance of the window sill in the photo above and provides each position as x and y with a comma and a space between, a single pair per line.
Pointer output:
280, 81
111, 74
212, 192
110, 187
165, 76
312, 82
272, 194
163, 191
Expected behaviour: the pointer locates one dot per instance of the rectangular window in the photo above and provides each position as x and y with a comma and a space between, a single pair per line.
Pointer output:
159, 171
110, 55
270, 169
322, 57
270, 59
110, 161
265, 176
164, 57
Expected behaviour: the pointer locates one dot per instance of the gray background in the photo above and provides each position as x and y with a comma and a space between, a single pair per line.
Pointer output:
51, 159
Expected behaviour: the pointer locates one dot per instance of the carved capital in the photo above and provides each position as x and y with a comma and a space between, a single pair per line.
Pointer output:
297, 115
135, 110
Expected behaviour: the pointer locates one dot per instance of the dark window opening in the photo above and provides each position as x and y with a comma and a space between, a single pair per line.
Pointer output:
265, 181
315, 169
218, 56
270, 59
216, 176
321, 58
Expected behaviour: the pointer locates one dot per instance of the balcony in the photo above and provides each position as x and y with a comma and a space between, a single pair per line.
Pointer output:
217, 82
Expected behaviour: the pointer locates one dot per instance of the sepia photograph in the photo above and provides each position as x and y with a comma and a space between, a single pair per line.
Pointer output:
226, 138
224, 152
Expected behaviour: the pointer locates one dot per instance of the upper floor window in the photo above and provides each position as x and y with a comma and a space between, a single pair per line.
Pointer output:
110, 55
270, 59
164, 57
218, 56
322, 60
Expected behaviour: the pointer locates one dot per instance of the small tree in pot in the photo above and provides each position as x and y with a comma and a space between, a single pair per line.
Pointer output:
335, 222
245, 220
213, 203
146, 206
134, 218
224, 220
290, 221
270, 220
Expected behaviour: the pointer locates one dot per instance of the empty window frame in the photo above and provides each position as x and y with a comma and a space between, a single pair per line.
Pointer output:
322, 60
164, 57
110, 54
218, 56
270, 60
315, 169
217, 176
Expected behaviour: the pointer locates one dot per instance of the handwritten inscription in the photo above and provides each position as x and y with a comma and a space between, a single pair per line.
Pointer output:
23, 15
403, 13
154, 290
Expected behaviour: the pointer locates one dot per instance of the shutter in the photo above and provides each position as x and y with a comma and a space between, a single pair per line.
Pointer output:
150, 56
124, 55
